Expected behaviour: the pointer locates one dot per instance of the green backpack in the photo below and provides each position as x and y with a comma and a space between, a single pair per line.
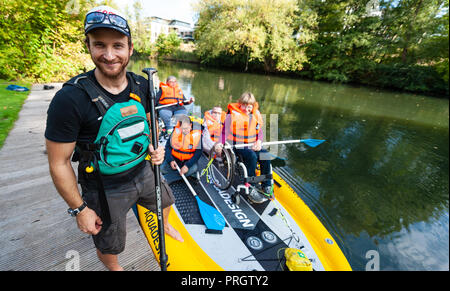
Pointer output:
123, 138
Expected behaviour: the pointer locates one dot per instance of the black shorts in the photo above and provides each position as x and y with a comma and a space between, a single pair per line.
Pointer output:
121, 197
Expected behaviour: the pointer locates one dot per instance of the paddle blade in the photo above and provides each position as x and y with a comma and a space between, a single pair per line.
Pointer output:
312, 142
211, 217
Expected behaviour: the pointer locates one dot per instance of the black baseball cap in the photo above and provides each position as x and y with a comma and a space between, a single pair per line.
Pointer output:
106, 17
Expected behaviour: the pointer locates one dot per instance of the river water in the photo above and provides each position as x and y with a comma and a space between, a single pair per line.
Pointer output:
379, 183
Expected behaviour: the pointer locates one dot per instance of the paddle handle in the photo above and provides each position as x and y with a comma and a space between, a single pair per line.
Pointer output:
186, 180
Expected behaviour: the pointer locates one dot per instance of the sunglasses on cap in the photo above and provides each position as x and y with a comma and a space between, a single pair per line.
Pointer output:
100, 17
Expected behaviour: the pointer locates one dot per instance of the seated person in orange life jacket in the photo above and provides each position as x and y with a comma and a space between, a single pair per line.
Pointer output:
243, 124
170, 93
213, 123
184, 147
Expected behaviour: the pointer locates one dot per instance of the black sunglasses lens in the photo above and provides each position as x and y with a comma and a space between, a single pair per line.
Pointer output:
118, 21
95, 17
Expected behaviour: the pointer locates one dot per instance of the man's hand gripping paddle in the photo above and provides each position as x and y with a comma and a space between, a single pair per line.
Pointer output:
162, 243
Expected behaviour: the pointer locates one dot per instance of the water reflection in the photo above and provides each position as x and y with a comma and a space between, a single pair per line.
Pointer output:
379, 182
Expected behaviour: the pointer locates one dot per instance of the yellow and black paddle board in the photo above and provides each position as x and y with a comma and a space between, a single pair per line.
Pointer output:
255, 236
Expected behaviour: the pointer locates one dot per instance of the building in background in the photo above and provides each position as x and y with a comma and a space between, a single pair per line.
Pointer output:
159, 25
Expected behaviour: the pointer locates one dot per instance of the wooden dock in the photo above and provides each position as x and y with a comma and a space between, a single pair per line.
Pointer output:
36, 233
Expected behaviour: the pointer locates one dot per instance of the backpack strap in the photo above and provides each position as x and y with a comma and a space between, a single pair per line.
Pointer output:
101, 101
88, 153
135, 87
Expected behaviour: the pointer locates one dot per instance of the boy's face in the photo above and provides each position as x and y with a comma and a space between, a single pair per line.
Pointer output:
216, 113
172, 83
185, 128
247, 108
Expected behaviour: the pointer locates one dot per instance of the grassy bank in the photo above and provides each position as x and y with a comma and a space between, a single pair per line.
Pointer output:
182, 56
10, 104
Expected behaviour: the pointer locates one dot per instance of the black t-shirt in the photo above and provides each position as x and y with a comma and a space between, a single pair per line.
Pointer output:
72, 116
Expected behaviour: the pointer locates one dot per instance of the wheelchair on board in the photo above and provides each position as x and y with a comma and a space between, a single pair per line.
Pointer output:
229, 170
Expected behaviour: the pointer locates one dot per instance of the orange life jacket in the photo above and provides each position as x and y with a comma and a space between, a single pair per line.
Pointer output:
214, 127
170, 94
184, 146
243, 128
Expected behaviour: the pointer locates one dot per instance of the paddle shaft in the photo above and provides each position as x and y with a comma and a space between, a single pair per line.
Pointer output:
186, 180
164, 106
162, 243
212, 218
168, 105
267, 143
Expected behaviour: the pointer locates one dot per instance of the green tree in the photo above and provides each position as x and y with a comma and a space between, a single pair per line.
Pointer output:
139, 33
434, 47
415, 41
346, 41
410, 26
404, 45
258, 32
167, 44
42, 40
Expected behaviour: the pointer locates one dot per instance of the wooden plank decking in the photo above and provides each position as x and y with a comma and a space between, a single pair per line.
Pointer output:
36, 233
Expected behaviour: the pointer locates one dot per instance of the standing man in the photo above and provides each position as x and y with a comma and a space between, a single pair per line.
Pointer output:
74, 123
170, 93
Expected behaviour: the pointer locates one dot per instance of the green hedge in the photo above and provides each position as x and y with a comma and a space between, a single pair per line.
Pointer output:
412, 78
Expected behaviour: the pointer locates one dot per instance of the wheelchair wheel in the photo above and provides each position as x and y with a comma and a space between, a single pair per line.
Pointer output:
222, 168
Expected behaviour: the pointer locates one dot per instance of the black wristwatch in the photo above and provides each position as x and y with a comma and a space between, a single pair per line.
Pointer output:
74, 212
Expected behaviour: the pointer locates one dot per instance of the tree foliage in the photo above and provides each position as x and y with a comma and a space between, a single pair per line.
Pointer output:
167, 44
403, 42
42, 40
404, 45
259, 32
140, 34
363, 41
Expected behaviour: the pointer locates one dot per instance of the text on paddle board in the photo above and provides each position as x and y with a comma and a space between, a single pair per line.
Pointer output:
237, 211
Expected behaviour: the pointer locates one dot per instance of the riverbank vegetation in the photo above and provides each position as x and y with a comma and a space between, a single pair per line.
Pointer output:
390, 44
395, 44
42, 40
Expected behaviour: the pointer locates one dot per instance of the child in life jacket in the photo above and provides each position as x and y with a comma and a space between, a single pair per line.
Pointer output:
213, 123
184, 147
243, 125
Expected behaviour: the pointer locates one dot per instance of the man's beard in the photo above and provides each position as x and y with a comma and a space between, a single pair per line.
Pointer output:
108, 74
